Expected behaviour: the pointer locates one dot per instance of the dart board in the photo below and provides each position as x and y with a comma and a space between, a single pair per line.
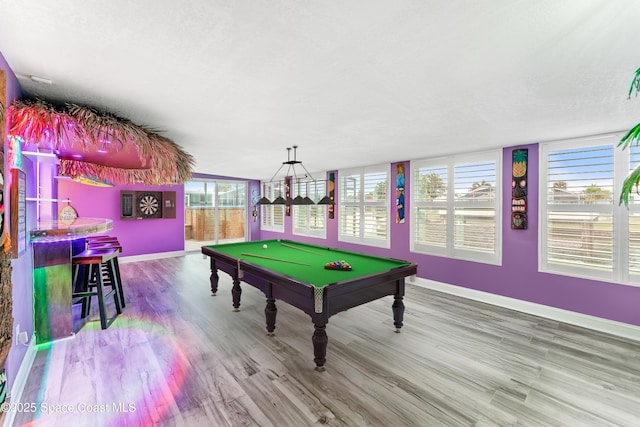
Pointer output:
149, 205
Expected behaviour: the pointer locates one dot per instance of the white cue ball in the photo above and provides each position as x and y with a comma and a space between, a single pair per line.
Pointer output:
264, 246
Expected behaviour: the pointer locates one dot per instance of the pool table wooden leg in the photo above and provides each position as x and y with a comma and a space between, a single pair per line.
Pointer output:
270, 312
214, 282
320, 341
214, 278
398, 311
236, 291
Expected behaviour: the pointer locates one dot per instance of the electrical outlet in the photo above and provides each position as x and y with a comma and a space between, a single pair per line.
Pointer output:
21, 337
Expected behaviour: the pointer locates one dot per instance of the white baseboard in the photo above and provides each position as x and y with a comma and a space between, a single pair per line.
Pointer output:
17, 388
149, 257
591, 322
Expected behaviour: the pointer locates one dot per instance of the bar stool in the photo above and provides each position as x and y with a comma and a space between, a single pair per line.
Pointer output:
111, 245
94, 261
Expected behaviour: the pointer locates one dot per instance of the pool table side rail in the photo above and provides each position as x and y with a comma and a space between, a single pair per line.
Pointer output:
345, 295
258, 276
346, 253
245, 266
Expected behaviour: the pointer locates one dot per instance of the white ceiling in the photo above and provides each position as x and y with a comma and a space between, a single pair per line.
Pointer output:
351, 82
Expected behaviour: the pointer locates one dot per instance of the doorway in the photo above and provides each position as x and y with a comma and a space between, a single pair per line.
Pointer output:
215, 212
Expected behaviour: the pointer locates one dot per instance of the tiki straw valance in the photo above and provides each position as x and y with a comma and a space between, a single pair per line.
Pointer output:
99, 144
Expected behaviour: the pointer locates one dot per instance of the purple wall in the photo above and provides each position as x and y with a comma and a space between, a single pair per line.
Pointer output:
136, 236
140, 237
517, 277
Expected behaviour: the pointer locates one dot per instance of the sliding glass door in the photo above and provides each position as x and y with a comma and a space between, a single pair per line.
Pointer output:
215, 212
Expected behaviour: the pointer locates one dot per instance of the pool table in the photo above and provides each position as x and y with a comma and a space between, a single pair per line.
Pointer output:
295, 273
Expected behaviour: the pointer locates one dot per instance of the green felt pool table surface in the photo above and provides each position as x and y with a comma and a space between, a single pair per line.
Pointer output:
306, 262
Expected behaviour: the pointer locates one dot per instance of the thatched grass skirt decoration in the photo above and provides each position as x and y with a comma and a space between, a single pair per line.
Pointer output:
73, 131
6, 306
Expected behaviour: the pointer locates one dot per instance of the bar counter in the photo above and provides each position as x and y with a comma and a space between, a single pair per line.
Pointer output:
59, 229
54, 243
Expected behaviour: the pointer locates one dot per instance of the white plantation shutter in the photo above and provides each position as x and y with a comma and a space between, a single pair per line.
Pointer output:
272, 215
579, 212
584, 230
299, 220
317, 219
376, 208
350, 188
431, 226
364, 206
475, 206
317, 214
310, 220
299, 214
430, 206
455, 202
350, 221
350, 209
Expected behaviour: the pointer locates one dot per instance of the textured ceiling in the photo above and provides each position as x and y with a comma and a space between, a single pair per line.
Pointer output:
351, 83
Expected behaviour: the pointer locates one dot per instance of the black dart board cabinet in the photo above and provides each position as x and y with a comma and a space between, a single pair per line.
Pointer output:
147, 204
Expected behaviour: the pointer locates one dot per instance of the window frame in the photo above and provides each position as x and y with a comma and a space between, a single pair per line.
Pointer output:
620, 214
361, 206
303, 190
269, 213
450, 205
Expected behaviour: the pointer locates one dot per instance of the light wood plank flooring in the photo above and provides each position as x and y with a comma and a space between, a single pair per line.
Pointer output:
180, 357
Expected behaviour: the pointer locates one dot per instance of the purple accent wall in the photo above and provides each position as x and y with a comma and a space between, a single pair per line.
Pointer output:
517, 277
137, 237
140, 237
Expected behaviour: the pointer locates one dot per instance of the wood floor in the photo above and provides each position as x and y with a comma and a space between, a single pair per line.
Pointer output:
180, 357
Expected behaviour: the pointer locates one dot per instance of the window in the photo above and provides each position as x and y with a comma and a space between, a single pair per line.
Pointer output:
272, 215
310, 220
584, 231
199, 193
215, 211
232, 194
364, 206
455, 207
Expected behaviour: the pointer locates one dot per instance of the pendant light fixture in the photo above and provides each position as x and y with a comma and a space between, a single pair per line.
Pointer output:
291, 173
